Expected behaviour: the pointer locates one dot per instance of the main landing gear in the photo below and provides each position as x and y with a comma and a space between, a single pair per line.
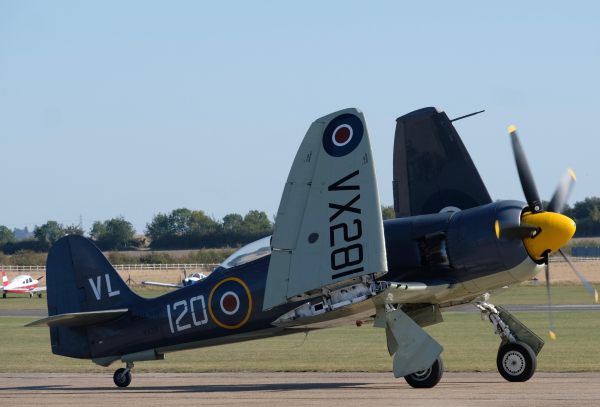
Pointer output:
517, 355
122, 376
426, 379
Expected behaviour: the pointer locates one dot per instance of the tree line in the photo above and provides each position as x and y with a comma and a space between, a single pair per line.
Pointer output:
184, 228
180, 229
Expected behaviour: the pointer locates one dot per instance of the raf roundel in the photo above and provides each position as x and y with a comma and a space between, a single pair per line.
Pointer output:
230, 303
342, 135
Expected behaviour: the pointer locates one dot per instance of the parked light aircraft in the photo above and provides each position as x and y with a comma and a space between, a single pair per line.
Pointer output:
185, 281
331, 259
23, 284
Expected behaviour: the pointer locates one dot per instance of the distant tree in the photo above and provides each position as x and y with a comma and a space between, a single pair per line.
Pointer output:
6, 235
159, 227
98, 230
257, 223
48, 233
180, 221
73, 230
112, 234
387, 212
233, 222
584, 209
200, 223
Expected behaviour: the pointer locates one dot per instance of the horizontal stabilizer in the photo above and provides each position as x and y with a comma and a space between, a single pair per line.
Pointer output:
79, 318
413, 349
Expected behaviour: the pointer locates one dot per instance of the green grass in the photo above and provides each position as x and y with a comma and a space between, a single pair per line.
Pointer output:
469, 345
536, 294
519, 294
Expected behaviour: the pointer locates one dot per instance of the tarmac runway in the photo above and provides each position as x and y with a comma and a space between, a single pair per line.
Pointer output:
297, 389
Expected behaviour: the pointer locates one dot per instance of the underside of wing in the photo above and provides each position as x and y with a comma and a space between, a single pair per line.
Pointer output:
328, 227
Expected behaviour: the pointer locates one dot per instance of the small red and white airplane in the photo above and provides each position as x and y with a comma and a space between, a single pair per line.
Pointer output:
21, 285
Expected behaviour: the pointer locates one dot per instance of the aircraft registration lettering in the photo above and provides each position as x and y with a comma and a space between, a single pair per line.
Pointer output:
346, 257
181, 308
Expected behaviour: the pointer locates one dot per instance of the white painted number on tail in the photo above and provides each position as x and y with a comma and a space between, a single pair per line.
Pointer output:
97, 287
181, 308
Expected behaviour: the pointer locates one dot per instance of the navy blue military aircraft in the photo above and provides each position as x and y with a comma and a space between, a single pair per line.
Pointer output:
332, 260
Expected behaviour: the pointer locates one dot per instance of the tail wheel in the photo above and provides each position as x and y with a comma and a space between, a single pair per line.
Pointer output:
427, 378
516, 361
122, 377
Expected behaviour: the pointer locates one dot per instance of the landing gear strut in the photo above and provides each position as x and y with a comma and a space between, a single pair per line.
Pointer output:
122, 376
517, 355
426, 379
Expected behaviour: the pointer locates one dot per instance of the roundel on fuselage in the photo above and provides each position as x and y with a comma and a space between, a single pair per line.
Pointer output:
230, 303
342, 135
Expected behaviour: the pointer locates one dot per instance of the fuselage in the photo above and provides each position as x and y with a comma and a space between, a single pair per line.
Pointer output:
453, 257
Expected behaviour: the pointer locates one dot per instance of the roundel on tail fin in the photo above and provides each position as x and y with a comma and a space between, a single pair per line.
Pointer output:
342, 135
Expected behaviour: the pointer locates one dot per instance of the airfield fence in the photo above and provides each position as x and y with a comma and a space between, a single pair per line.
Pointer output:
207, 267
124, 267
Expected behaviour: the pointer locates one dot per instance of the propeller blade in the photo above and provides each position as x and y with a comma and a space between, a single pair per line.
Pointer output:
525, 175
586, 283
563, 190
550, 315
39, 278
516, 231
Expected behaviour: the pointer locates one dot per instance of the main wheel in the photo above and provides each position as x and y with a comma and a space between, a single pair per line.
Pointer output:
516, 361
39, 295
3, 295
427, 378
122, 378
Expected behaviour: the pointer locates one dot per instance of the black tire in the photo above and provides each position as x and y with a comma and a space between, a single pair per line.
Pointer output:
3, 295
516, 361
122, 379
40, 295
426, 379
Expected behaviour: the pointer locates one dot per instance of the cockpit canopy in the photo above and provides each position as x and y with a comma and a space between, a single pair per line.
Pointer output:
248, 253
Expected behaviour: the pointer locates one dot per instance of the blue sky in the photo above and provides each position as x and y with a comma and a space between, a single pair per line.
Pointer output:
113, 108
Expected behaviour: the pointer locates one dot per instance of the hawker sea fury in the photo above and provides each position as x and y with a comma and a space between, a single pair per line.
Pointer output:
332, 261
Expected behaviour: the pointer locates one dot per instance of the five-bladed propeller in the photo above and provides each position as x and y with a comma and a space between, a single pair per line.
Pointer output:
542, 232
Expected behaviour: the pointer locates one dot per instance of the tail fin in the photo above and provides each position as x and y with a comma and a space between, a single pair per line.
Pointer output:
81, 280
432, 168
4, 279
